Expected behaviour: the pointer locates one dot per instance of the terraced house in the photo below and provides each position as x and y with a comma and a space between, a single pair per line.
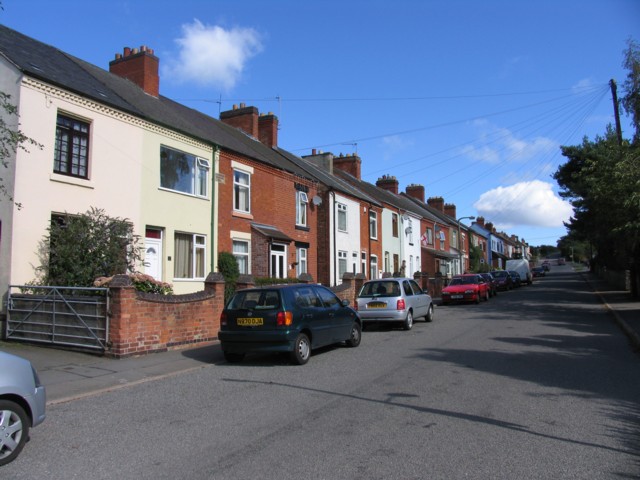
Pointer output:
193, 186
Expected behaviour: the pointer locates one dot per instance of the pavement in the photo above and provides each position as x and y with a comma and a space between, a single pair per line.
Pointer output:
69, 375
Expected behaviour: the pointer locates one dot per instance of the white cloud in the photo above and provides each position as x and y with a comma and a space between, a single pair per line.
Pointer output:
496, 144
212, 56
526, 203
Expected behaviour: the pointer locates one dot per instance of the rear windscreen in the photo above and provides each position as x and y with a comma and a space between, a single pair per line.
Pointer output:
380, 289
255, 299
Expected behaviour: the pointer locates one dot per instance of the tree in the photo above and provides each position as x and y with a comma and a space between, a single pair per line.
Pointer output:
602, 181
11, 139
77, 249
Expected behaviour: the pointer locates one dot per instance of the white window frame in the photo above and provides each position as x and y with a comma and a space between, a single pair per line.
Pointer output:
241, 189
197, 257
373, 225
341, 217
246, 256
199, 174
373, 267
343, 263
302, 201
301, 258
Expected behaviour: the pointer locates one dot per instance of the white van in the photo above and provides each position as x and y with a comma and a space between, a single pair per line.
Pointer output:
522, 267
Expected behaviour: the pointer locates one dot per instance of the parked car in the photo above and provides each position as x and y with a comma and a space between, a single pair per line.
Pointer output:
492, 282
22, 404
466, 288
515, 277
398, 300
293, 318
503, 279
538, 272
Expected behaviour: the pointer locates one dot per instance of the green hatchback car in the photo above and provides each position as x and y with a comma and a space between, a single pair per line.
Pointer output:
286, 318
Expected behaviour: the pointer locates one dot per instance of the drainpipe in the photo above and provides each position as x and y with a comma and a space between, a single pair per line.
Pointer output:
333, 235
214, 209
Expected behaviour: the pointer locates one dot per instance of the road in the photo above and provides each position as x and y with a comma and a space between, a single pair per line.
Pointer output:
537, 383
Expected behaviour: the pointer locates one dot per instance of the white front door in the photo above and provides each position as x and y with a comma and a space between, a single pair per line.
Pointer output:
153, 257
278, 261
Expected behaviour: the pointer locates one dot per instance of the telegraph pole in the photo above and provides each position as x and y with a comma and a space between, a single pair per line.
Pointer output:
616, 113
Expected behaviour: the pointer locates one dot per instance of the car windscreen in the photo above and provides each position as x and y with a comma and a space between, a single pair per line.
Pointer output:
255, 299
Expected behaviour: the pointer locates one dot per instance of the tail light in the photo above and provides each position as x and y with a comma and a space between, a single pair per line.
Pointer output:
401, 305
284, 319
223, 319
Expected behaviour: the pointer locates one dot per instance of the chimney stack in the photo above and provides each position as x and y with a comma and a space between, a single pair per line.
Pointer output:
389, 183
415, 191
479, 221
437, 203
243, 118
450, 209
351, 164
268, 129
139, 66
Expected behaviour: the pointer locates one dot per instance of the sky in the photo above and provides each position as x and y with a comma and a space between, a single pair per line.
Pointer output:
472, 99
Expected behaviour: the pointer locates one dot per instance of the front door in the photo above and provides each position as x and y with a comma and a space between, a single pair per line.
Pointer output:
278, 264
153, 257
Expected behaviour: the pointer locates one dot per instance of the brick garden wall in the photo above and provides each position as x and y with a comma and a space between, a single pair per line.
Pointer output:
143, 323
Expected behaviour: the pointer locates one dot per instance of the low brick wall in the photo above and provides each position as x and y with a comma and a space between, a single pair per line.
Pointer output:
143, 323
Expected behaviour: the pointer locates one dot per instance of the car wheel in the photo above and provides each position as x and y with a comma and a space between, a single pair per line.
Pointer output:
14, 428
233, 357
301, 350
477, 298
408, 322
356, 335
429, 316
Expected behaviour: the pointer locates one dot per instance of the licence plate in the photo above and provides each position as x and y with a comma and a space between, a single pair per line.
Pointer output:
249, 322
457, 297
376, 305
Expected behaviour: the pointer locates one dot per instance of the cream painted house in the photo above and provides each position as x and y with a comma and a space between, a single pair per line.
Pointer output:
105, 144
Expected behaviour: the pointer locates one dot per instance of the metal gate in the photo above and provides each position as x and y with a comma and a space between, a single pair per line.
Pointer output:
65, 316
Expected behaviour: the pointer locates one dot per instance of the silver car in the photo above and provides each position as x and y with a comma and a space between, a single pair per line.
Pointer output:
394, 300
22, 404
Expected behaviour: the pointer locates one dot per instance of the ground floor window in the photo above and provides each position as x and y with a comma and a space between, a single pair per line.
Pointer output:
342, 264
190, 256
241, 254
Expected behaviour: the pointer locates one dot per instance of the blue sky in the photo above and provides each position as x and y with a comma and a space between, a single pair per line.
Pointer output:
471, 99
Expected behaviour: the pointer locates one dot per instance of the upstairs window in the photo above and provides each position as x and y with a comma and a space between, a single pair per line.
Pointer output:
373, 225
394, 224
301, 208
71, 155
342, 217
183, 172
241, 191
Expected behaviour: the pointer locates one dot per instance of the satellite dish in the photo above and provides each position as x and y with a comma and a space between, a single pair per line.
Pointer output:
316, 200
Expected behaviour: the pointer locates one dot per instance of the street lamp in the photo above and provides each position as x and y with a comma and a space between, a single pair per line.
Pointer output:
460, 241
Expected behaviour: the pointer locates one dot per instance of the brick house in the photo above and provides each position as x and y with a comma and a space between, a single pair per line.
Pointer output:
266, 215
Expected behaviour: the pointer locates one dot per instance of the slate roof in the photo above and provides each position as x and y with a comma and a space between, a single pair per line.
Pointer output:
58, 68
330, 180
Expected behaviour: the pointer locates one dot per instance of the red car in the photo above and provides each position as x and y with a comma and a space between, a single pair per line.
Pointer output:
466, 288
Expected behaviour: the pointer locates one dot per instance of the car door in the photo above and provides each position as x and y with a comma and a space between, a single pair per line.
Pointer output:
421, 299
340, 317
313, 315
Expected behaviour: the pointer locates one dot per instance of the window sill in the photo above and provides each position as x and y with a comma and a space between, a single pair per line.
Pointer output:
79, 182
303, 228
248, 216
